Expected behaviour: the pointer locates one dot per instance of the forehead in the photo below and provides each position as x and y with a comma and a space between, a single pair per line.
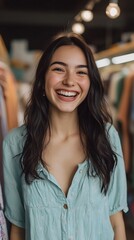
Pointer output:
69, 53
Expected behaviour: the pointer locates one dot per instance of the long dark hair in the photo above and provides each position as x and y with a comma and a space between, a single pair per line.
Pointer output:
92, 113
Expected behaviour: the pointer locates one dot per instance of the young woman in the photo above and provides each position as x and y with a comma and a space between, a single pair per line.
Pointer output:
64, 170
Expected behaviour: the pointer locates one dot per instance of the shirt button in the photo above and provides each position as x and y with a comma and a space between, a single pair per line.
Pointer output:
65, 206
70, 238
80, 171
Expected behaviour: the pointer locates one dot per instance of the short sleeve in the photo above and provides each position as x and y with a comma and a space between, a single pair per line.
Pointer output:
14, 210
117, 191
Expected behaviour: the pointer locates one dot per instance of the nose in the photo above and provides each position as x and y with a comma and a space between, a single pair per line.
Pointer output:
69, 79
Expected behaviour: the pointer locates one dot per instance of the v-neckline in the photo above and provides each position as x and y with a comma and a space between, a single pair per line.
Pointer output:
53, 179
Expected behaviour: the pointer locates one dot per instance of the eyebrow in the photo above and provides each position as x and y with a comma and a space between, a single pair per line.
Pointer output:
64, 64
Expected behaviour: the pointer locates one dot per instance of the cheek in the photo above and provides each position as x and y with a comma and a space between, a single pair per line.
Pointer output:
85, 85
52, 79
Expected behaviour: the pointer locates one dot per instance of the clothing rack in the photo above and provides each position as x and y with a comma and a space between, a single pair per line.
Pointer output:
8, 119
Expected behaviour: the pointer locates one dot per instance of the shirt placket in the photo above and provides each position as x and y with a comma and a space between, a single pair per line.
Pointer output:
71, 201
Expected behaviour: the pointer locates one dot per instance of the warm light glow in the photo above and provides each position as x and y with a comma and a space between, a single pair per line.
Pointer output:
113, 10
87, 15
103, 62
78, 28
123, 58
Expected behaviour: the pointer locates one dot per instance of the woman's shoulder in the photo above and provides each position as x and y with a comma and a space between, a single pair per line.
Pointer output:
111, 130
15, 135
113, 135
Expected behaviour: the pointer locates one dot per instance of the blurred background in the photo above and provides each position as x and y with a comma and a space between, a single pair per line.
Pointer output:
26, 28
38, 20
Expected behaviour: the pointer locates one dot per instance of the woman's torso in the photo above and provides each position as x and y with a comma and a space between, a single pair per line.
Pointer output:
48, 209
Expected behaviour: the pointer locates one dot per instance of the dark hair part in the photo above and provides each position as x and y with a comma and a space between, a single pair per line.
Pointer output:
92, 113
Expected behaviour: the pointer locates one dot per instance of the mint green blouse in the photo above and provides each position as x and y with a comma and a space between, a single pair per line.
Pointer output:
43, 209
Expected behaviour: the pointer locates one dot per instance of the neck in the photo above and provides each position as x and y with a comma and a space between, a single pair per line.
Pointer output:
64, 124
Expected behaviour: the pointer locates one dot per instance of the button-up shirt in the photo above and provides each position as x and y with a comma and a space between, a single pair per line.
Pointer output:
44, 210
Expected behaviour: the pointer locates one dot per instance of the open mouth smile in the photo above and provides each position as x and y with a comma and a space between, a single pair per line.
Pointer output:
67, 93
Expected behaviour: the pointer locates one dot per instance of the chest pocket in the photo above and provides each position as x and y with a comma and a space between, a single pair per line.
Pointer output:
35, 194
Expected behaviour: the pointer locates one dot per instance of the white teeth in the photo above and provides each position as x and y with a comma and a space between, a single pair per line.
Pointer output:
67, 94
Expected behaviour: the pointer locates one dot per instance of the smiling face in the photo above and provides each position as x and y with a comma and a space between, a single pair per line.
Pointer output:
67, 81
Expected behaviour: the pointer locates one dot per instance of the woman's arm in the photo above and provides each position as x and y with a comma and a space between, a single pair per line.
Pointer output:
118, 226
17, 233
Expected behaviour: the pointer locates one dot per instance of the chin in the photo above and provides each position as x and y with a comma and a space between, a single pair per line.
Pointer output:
67, 110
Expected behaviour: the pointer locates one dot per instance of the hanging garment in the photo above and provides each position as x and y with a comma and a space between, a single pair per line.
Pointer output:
132, 133
3, 132
3, 227
3, 114
10, 95
123, 119
112, 95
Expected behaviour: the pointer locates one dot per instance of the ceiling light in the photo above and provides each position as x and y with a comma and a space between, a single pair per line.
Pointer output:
78, 28
123, 58
113, 10
87, 15
103, 62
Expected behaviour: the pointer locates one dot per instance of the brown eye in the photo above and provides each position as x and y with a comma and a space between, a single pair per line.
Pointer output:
58, 69
82, 73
